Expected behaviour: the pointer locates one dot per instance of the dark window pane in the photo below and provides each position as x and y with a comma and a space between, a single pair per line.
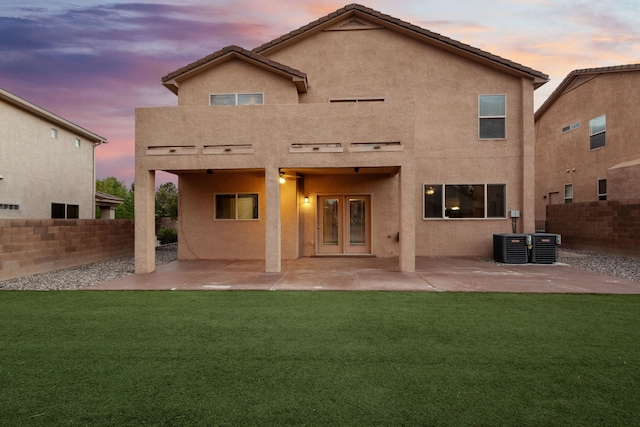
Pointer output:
57, 210
597, 141
432, 201
73, 211
464, 201
496, 206
492, 128
225, 206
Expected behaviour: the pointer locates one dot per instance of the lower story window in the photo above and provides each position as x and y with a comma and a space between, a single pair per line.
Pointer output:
464, 201
236, 206
568, 193
62, 211
602, 189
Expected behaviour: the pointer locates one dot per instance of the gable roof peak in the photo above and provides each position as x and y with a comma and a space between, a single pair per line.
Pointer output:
298, 77
566, 83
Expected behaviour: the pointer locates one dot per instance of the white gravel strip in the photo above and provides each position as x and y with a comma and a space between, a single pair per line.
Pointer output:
92, 274
611, 265
85, 275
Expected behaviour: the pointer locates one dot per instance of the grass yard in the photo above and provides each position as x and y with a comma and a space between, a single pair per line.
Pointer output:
318, 358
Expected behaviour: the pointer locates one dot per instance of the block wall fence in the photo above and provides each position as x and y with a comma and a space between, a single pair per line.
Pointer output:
37, 246
607, 226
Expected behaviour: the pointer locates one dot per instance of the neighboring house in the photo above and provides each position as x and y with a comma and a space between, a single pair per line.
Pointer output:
107, 204
47, 163
391, 141
587, 138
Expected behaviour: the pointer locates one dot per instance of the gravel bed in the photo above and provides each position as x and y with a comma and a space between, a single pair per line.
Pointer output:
92, 274
612, 265
85, 275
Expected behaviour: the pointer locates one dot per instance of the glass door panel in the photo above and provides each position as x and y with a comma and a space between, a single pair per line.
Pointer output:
359, 227
330, 225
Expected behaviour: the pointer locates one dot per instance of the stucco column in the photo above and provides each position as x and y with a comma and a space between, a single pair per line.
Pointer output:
407, 213
272, 220
527, 217
145, 228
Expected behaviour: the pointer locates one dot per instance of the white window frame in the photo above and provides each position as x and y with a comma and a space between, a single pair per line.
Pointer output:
568, 199
599, 132
571, 127
443, 190
602, 196
77, 142
237, 196
54, 133
236, 96
504, 117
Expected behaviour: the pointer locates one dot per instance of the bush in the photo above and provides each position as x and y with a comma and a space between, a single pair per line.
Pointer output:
167, 235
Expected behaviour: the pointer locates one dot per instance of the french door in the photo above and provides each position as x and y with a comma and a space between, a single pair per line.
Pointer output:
344, 225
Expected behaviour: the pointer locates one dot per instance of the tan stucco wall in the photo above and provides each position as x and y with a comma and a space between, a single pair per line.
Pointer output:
237, 76
38, 170
623, 181
431, 107
565, 158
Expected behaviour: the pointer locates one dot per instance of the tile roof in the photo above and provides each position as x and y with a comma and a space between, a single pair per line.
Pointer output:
297, 76
540, 77
566, 83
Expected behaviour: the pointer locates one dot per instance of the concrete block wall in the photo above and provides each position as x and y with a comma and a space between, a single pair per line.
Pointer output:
607, 226
37, 246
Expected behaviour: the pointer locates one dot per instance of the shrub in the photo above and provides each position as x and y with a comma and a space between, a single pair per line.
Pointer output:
167, 235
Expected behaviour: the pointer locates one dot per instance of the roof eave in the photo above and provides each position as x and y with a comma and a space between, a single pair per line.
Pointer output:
54, 119
174, 82
407, 29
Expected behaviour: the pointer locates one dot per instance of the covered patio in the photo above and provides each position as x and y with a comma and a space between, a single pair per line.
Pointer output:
433, 274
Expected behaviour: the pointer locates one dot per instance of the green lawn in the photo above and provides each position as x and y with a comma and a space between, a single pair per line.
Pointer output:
318, 358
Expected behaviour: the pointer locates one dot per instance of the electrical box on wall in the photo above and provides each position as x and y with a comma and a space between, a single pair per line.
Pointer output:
514, 214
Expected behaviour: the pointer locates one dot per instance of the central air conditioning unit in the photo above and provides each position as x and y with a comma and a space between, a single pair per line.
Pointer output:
544, 248
510, 248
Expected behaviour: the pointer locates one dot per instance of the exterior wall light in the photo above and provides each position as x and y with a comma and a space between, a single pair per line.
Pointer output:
306, 199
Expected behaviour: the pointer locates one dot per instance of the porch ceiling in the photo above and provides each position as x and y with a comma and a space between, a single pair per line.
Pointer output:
386, 170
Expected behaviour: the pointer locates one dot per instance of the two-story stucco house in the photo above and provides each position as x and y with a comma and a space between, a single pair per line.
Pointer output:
47, 163
587, 138
357, 134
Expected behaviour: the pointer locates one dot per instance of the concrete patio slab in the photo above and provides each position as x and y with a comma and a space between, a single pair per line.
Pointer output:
433, 274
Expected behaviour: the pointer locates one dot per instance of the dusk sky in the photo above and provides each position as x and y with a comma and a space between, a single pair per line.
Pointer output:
93, 62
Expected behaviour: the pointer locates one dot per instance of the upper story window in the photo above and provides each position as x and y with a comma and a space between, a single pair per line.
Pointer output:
597, 132
54, 133
572, 126
236, 99
492, 116
77, 143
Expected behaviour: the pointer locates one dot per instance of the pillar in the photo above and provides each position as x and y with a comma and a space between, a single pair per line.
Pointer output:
145, 228
407, 214
273, 261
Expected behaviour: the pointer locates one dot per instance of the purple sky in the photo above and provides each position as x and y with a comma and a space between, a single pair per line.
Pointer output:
94, 62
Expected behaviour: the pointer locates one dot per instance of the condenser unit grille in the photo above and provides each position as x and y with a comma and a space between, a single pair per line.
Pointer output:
544, 248
510, 248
